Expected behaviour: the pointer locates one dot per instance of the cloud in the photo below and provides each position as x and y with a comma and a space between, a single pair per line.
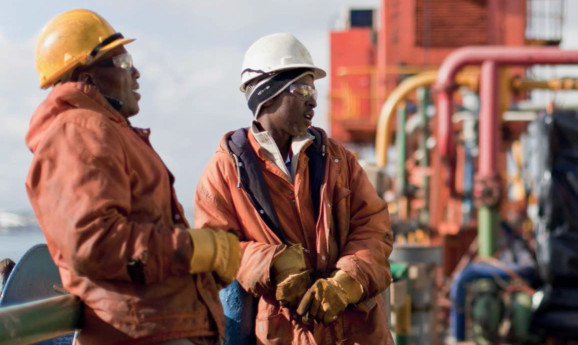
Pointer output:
189, 54
17, 101
189, 100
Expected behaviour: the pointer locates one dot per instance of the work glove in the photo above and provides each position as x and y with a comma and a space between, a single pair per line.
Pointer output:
290, 275
215, 251
327, 298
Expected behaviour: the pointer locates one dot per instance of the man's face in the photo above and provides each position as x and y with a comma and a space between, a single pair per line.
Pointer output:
293, 112
115, 77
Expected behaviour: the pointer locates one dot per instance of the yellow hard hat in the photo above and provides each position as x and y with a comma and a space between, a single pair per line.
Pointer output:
72, 39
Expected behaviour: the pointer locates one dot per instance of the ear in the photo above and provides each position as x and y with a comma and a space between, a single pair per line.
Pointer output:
268, 103
86, 77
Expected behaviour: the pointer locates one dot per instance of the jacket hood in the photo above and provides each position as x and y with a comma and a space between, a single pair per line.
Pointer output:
64, 97
223, 143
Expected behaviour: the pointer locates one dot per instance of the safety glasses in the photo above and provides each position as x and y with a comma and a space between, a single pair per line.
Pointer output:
303, 91
123, 61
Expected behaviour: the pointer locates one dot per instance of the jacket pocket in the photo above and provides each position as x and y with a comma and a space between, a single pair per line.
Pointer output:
340, 193
367, 324
274, 329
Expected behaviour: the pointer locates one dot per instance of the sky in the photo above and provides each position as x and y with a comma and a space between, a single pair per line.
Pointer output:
189, 54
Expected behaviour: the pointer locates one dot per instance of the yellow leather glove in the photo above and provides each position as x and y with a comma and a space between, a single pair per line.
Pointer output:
328, 298
290, 274
215, 251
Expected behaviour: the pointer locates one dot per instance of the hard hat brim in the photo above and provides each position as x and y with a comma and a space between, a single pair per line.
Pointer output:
111, 46
318, 73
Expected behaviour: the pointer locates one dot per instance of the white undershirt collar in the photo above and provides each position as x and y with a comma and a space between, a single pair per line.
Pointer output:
267, 143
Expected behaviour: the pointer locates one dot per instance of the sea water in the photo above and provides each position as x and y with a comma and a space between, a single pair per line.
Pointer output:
14, 242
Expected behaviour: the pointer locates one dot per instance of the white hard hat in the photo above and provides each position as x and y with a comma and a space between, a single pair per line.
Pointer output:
274, 53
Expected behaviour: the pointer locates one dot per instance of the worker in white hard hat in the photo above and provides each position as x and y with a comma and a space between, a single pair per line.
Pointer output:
315, 235
106, 204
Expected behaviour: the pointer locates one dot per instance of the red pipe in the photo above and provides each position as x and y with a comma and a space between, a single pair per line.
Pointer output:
498, 55
489, 123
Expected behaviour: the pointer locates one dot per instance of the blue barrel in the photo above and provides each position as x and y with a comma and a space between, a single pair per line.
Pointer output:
240, 310
33, 278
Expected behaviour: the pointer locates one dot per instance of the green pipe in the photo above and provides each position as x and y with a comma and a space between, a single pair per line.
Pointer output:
401, 144
423, 97
399, 271
37, 321
521, 309
403, 339
488, 223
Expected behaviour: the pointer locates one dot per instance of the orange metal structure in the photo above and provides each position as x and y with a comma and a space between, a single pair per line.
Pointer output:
369, 59
351, 82
449, 189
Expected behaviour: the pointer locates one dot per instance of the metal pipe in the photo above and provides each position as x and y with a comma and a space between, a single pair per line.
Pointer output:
423, 97
401, 144
361, 70
400, 271
476, 55
519, 84
488, 223
488, 216
40, 320
489, 123
473, 271
387, 110
407, 86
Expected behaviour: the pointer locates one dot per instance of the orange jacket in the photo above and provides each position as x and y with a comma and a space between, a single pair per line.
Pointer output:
352, 233
106, 204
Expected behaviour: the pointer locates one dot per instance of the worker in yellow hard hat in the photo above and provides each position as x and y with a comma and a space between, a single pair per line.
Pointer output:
314, 232
106, 203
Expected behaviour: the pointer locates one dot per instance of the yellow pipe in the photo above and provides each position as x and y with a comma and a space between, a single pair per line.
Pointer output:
407, 86
356, 70
552, 84
388, 109
427, 78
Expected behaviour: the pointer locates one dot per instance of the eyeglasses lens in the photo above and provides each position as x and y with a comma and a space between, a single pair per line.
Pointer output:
305, 92
123, 61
